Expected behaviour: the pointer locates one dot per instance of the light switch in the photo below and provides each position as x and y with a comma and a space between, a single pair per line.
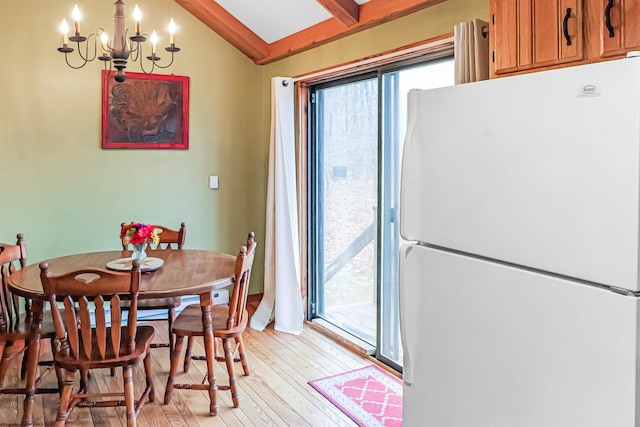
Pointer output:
213, 182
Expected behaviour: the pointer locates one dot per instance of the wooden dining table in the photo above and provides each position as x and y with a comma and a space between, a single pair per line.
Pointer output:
183, 272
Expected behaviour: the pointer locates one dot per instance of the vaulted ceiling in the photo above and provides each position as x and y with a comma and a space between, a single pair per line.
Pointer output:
268, 30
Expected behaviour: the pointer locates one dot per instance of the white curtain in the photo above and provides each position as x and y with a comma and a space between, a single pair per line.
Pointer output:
282, 299
471, 51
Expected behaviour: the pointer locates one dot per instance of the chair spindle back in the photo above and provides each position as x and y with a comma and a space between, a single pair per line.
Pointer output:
10, 257
104, 288
238, 301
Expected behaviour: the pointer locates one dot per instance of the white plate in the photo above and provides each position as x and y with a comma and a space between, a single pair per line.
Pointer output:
125, 264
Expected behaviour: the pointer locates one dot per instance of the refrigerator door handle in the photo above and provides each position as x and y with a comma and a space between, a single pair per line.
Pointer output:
404, 300
410, 161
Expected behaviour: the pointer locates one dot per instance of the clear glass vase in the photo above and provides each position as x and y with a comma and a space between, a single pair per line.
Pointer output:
139, 252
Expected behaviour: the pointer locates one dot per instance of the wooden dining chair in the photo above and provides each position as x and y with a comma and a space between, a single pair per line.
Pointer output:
15, 326
228, 324
169, 239
91, 293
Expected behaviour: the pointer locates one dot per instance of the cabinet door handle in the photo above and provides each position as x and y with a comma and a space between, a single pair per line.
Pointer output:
565, 23
607, 18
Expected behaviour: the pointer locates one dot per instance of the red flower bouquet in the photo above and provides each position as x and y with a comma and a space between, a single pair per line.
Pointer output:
137, 234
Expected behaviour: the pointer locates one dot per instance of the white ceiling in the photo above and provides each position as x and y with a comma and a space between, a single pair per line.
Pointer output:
273, 20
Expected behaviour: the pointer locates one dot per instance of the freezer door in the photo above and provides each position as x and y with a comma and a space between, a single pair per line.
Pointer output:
540, 170
487, 345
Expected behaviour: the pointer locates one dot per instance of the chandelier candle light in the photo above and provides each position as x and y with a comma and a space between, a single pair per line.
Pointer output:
139, 235
115, 52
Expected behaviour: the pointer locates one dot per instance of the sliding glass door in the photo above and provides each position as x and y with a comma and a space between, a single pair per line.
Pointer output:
345, 204
356, 135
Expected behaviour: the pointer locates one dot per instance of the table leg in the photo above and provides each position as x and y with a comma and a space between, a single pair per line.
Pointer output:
33, 353
206, 301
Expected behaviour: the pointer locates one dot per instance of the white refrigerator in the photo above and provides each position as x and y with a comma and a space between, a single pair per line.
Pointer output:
519, 291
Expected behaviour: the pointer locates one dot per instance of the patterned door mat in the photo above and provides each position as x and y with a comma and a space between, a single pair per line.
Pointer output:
369, 396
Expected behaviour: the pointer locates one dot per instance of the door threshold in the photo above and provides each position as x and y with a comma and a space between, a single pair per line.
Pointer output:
342, 337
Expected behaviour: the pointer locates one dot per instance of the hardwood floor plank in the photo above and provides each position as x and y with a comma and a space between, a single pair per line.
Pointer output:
281, 378
276, 393
102, 381
266, 392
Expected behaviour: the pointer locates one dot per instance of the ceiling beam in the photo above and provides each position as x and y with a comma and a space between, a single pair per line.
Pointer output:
235, 32
347, 11
372, 13
228, 27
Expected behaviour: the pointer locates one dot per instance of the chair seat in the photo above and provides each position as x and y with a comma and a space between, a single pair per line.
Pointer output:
189, 322
144, 336
22, 329
154, 303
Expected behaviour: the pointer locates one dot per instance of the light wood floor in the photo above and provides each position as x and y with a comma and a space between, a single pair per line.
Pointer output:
275, 394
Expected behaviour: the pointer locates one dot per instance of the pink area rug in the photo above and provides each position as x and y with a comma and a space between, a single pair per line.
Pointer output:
369, 396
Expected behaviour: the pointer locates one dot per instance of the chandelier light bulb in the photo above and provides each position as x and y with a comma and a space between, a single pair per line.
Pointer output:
137, 16
76, 13
76, 18
154, 41
64, 29
104, 38
172, 32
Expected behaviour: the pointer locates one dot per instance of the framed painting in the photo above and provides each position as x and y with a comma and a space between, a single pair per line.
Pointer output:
145, 111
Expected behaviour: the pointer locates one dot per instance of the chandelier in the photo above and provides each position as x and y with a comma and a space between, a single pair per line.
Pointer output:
115, 51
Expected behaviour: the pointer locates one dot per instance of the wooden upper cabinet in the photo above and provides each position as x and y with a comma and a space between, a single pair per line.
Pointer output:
503, 35
619, 26
535, 33
556, 31
527, 35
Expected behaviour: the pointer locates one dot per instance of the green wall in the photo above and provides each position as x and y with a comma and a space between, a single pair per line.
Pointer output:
67, 195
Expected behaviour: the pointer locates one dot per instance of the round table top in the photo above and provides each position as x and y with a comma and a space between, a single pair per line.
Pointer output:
184, 272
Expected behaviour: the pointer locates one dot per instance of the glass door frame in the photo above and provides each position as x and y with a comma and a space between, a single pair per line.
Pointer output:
387, 215
315, 188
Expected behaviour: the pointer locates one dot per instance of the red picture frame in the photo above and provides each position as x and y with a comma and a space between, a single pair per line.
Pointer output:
146, 111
